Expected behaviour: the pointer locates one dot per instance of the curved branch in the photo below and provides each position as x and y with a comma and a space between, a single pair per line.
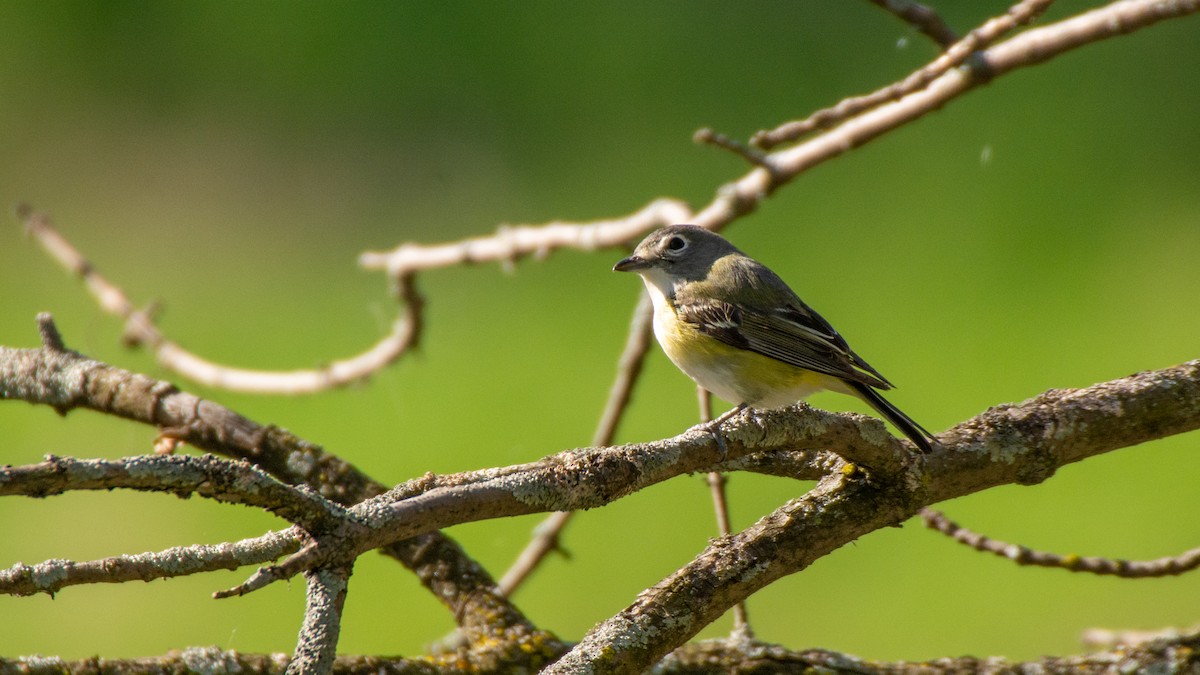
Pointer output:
140, 330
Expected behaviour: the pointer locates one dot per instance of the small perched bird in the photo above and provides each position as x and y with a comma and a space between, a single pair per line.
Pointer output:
735, 327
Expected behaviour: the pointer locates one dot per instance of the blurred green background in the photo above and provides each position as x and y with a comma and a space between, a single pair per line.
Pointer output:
232, 159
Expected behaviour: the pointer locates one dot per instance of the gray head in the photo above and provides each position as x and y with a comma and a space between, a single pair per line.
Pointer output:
680, 251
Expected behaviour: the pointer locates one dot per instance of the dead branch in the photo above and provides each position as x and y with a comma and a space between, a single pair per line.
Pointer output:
140, 330
1022, 555
65, 380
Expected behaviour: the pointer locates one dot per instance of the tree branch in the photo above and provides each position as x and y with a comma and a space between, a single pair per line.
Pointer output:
317, 646
629, 366
66, 380
53, 575
1021, 444
956, 54
140, 329
1021, 555
921, 17
207, 476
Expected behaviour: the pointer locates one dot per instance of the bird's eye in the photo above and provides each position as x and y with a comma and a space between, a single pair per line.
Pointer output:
676, 243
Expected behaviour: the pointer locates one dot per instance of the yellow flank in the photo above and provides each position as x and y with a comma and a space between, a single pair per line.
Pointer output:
736, 375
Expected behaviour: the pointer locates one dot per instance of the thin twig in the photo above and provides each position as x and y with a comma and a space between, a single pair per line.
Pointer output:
716, 486
924, 19
140, 330
546, 536
708, 136
1021, 555
512, 242
955, 55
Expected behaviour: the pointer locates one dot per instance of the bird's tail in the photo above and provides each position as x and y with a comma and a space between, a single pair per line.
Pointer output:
915, 432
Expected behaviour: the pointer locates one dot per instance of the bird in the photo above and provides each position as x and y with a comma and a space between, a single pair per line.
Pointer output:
739, 331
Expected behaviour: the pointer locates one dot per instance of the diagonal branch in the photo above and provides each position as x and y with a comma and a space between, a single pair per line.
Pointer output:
629, 366
955, 55
921, 17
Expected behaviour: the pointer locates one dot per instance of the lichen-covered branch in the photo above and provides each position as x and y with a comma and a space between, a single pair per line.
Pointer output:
206, 476
1178, 653
316, 647
1021, 443
52, 576
64, 380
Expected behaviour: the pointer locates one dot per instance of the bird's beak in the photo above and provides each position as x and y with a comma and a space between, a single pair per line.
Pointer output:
631, 264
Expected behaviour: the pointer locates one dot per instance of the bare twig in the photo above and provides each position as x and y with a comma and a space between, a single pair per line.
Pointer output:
1021, 555
140, 330
707, 136
955, 55
512, 242
921, 17
716, 486
629, 366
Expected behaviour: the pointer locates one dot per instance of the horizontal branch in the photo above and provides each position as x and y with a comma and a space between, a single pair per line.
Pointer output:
1022, 555
53, 575
1022, 444
1179, 653
64, 380
206, 476
512, 242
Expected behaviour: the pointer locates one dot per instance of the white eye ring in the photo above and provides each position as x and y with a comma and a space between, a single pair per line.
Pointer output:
675, 244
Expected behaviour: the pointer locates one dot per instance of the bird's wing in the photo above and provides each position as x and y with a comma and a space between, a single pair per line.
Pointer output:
793, 334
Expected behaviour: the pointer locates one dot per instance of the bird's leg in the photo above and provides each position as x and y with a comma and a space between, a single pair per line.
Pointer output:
713, 427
